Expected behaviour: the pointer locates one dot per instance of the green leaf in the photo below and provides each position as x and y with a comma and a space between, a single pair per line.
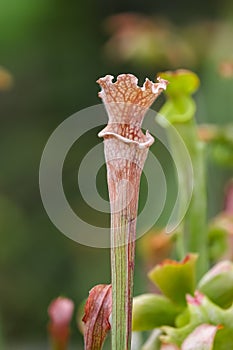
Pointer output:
182, 82
176, 279
180, 106
217, 284
222, 153
154, 343
183, 318
179, 110
217, 240
201, 311
151, 311
224, 339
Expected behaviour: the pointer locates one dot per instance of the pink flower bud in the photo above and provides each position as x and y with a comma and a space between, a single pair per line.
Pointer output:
60, 312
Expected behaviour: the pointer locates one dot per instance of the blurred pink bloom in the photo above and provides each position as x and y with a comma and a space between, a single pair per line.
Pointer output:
60, 312
226, 69
147, 40
196, 300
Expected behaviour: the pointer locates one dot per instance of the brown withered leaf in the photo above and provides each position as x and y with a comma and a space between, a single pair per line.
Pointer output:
97, 312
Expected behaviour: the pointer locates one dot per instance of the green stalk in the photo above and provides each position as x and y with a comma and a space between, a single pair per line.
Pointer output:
195, 223
192, 232
122, 266
180, 110
180, 243
123, 194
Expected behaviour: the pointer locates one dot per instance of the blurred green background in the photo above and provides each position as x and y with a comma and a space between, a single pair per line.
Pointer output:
51, 53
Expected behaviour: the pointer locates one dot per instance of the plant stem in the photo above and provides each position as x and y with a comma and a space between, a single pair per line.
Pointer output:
195, 224
123, 235
122, 286
180, 243
123, 175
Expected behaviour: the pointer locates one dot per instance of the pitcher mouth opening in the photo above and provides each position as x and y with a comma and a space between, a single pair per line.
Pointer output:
149, 140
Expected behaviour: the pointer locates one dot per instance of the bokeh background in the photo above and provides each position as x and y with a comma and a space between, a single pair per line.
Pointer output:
51, 53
